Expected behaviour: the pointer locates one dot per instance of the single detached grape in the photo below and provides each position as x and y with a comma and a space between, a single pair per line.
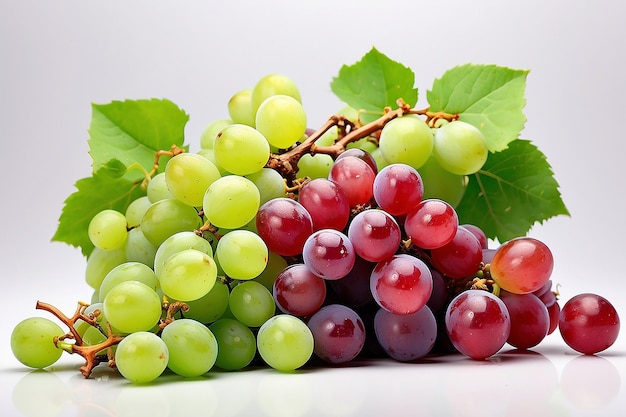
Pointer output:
284, 225
108, 230
32, 342
460, 148
339, 333
375, 235
299, 291
285, 343
329, 254
407, 140
236, 344
241, 149
192, 347
141, 357
398, 189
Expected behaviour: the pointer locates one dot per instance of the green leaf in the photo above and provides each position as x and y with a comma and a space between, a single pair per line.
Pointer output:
488, 96
514, 190
374, 83
132, 131
94, 194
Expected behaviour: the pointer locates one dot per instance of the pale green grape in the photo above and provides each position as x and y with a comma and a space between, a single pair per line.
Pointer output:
380, 160
157, 189
251, 303
240, 107
207, 139
166, 217
442, 184
272, 85
108, 230
315, 166
132, 306
231, 202
236, 344
241, 149
187, 275
139, 249
349, 113
179, 242
275, 265
408, 140
282, 120
364, 144
100, 262
211, 306
141, 357
328, 138
242, 254
460, 148
210, 155
192, 347
128, 271
188, 175
81, 326
135, 211
269, 183
285, 343
32, 342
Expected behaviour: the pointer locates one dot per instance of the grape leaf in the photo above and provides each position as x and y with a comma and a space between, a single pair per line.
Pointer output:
488, 96
514, 190
374, 83
105, 189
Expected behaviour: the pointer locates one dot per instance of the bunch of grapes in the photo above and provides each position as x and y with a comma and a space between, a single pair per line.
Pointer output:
276, 244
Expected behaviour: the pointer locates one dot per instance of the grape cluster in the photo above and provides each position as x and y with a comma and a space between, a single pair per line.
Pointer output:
228, 262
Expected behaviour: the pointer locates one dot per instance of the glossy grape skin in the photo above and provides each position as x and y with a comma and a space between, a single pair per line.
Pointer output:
406, 337
242, 254
460, 148
188, 175
231, 202
326, 202
282, 120
167, 217
236, 344
272, 85
398, 188
132, 306
431, 224
141, 357
356, 179
478, 232
375, 235
240, 150
285, 343
530, 320
32, 342
361, 154
108, 230
407, 140
329, 254
188, 275
298, 291
459, 258
589, 323
192, 347
251, 303
339, 333
128, 271
284, 225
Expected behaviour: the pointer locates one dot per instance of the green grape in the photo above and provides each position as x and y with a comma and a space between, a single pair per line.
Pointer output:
192, 347
135, 211
128, 271
179, 242
207, 139
157, 189
328, 138
240, 108
242, 254
442, 184
210, 155
251, 303
231, 202
275, 265
364, 144
272, 85
236, 344
166, 217
315, 166
81, 326
460, 148
241, 149
132, 306
407, 140
187, 275
139, 249
211, 306
100, 262
380, 160
141, 357
282, 120
188, 175
32, 342
108, 230
349, 113
269, 183
284, 342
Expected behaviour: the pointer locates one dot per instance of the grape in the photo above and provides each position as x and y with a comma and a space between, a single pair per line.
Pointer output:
329, 254
460, 148
231, 202
374, 234
402, 284
282, 120
188, 175
530, 320
406, 140
554, 311
32, 342
240, 107
269, 182
210, 155
135, 211
440, 294
139, 249
285, 343
271, 85
157, 189
132, 306
326, 202
398, 189
315, 166
406, 337
275, 265
356, 179
251, 303
188, 275
478, 232
211, 306
442, 184
141, 357
477, 323
128, 271
179, 242
298, 291
167, 217
353, 290
589, 323
236, 344
107, 230
241, 149
242, 254
207, 139
522, 265
459, 258
192, 347
431, 224
284, 225
361, 154
100, 262
338, 332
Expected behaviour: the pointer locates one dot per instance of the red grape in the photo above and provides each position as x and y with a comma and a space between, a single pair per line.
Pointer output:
398, 189
431, 224
522, 265
329, 254
356, 179
459, 258
327, 204
375, 235
338, 332
284, 225
530, 320
298, 291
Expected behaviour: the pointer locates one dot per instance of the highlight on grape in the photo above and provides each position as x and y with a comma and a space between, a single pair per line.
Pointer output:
390, 231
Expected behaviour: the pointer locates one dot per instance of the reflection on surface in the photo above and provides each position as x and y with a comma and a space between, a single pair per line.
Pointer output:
41, 394
590, 382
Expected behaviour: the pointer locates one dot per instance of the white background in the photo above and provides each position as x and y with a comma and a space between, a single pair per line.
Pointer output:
56, 58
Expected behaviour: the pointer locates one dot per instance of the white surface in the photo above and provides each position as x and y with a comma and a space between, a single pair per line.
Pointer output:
58, 57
